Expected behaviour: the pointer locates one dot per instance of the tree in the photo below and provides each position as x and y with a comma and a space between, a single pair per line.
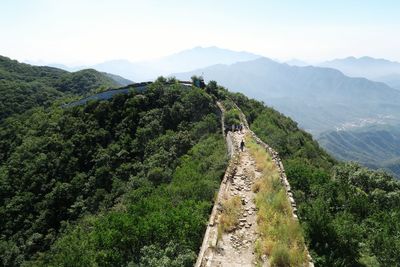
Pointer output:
212, 88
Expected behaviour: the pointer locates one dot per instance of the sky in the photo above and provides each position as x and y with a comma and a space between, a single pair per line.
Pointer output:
75, 32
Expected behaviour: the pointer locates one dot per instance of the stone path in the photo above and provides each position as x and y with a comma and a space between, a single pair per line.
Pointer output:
236, 248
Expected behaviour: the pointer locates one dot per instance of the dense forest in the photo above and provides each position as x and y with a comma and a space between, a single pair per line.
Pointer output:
126, 181
117, 182
350, 215
23, 86
131, 181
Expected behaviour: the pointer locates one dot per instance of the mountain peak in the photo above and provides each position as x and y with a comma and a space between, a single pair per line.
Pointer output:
297, 62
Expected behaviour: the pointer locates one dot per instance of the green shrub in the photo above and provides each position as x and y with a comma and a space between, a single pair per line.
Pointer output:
280, 256
232, 117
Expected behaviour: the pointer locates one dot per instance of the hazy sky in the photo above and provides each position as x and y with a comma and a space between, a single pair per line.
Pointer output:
89, 31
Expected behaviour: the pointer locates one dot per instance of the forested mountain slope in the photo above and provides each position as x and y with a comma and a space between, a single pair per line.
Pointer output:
323, 100
320, 99
136, 174
350, 215
131, 182
23, 86
373, 146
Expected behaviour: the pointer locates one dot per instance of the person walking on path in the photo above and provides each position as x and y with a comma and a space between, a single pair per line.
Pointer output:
242, 145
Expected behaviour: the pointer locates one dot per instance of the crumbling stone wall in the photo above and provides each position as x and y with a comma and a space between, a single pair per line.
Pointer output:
210, 240
211, 235
278, 162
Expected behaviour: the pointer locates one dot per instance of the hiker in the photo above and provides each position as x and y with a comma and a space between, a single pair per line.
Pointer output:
240, 128
226, 130
242, 145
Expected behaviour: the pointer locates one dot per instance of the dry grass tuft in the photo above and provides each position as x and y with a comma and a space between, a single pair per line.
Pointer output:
229, 217
256, 186
281, 237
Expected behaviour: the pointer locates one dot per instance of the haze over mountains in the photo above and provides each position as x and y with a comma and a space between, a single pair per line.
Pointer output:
297, 62
324, 100
343, 94
146, 165
320, 99
117, 145
375, 146
371, 68
186, 60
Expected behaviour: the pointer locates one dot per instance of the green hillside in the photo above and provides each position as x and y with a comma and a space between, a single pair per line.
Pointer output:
350, 215
129, 180
319, 99
23, 86
373, 146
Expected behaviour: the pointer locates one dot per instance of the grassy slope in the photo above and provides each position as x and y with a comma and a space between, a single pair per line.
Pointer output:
281, 237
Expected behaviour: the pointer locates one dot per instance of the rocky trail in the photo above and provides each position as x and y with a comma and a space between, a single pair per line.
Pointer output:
236, 246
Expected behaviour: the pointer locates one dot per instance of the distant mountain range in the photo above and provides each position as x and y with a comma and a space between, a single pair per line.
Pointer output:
371, 68
320, 99
380, 70
187, 60
352, 95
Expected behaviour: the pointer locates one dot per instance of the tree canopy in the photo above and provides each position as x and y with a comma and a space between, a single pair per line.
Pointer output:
108, 181
23, 86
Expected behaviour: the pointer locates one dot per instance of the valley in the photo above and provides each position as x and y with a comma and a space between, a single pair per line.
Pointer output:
375, 146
